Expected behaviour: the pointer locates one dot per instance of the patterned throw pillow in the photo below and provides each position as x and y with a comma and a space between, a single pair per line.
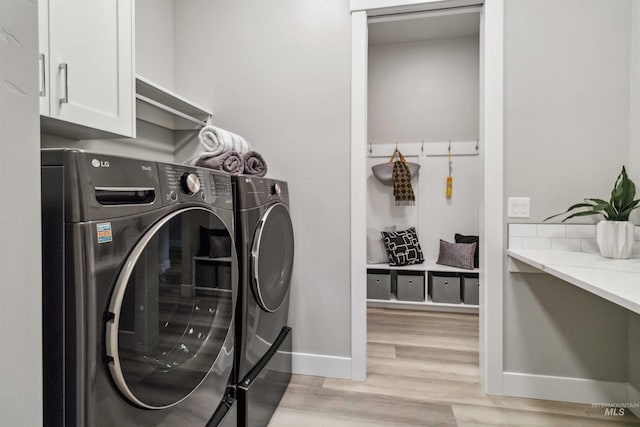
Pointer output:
457, 254
403, 247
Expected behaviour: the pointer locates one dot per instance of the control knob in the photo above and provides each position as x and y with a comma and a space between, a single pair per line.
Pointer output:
274, 190
190, 183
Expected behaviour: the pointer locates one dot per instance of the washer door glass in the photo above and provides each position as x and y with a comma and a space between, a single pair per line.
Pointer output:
170, 317
272, 257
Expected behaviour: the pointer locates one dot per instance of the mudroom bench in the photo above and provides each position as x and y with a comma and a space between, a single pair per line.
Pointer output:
426, 286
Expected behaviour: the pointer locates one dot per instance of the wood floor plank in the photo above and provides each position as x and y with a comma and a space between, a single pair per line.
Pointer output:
423, 371
316, 403
428, 369
381, 350
425, 340
470, 415
433, 353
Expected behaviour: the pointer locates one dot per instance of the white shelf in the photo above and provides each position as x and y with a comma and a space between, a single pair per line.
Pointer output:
162, 107
425, 266
422, 305
615, 280
226, 259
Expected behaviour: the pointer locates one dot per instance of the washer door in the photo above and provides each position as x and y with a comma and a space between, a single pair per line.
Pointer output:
272, 257
167, 329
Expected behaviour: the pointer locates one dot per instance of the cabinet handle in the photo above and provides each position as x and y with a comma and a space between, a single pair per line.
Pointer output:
65, 99
43, 76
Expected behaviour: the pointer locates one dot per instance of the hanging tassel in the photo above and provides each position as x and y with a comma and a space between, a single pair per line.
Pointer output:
449, 189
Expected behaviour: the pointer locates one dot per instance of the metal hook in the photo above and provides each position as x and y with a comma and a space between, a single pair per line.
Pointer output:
477, 142
396, 145
422, 148
370, 149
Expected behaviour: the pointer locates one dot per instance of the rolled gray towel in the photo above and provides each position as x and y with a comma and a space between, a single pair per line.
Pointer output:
229, 161
254, 164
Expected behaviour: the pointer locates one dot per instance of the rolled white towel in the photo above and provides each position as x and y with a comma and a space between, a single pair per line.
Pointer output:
215, 141
240, 145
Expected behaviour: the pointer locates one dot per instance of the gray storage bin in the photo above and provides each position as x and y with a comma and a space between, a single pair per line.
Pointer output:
445, 287
224, 276
379, 284
410, 286
471, 289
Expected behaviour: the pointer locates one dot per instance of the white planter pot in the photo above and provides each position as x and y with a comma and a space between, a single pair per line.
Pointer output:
615, 238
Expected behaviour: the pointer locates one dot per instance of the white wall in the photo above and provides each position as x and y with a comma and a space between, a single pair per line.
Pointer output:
434, 215
424, 91
154, 41
20, 267
567, 74
278, 73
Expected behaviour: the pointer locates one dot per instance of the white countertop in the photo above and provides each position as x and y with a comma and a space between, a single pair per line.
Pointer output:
615, 280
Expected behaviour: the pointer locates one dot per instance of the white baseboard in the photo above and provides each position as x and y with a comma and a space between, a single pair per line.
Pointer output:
567, 389
633, 396
321, 365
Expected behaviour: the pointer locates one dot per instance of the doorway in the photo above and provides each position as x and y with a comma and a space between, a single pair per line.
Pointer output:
491, 186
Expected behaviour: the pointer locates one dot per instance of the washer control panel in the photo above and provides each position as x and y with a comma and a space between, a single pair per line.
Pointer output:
180, 183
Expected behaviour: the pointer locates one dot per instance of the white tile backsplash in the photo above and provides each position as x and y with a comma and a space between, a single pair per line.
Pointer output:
523, 230
589, 246
551, 230
556, 237
581, 231
515, 242
564, 244
537, 243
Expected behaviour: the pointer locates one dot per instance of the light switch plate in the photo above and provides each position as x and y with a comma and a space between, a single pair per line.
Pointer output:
519, 207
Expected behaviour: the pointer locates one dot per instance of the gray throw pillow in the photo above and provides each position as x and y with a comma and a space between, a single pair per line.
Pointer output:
457, 254
376, 251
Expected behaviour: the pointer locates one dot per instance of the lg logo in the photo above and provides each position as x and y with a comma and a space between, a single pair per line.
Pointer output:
99, 164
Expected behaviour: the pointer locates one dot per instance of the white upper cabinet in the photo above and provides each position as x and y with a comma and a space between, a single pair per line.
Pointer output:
87, 67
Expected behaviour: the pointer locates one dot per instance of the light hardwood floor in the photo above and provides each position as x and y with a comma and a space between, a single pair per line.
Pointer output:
423, 371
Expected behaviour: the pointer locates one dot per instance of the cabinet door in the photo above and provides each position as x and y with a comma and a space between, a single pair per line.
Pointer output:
43, 59
91, 64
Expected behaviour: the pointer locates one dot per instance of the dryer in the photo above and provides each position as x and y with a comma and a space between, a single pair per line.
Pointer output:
136, 332
265, 245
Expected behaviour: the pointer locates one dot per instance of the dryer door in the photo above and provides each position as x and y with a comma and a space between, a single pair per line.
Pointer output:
272, 257
167, 330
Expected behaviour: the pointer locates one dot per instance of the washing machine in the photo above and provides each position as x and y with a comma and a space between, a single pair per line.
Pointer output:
265, 245
140, 282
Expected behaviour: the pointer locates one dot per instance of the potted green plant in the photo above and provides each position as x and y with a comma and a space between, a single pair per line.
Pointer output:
614, 233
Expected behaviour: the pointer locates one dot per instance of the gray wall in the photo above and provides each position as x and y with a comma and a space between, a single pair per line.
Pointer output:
152, 142
567, 74
20, 271
550, 327
424, 91
566, 101
154, 41
278, 73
